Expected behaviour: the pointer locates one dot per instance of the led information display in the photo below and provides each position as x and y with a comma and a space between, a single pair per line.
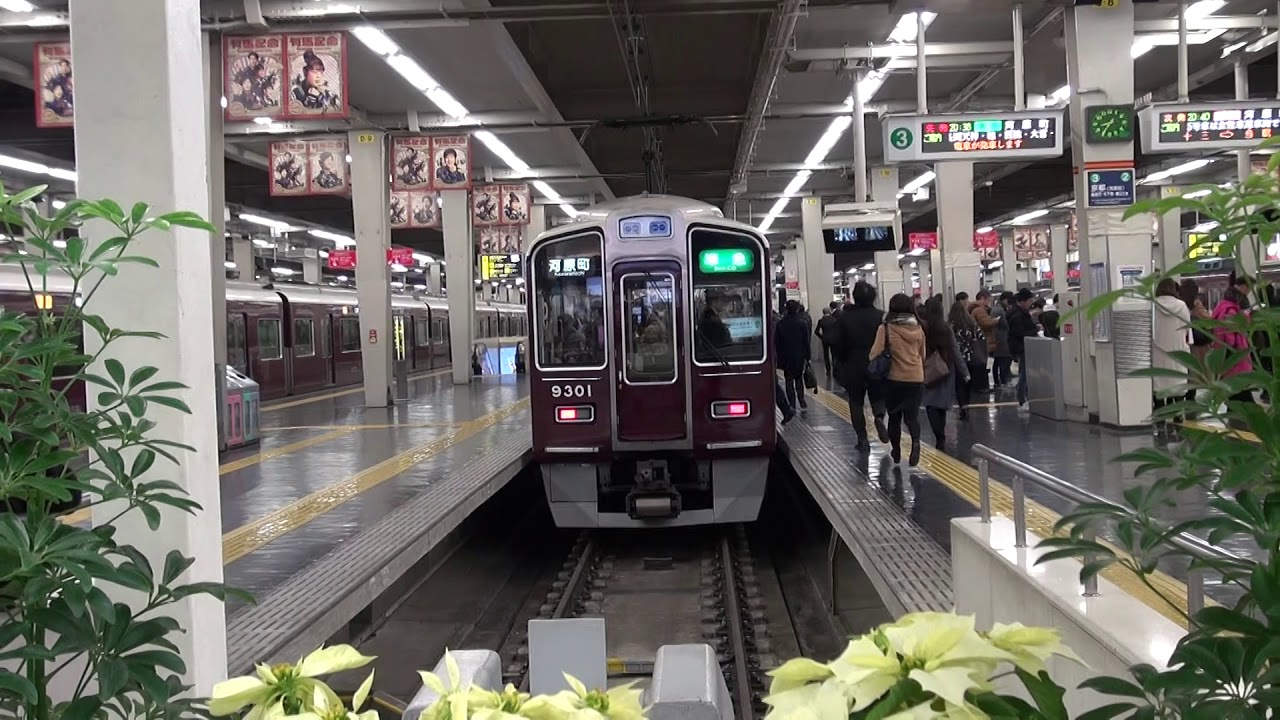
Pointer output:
499, 267
994, 136
1208, 126
726, 261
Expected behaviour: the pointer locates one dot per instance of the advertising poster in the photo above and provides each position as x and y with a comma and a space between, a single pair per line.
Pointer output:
317, 65
984, 240
425, 209
485, 210
55, 101
503, 240
342, 259
1073, 235
410, 162
989, 254
516, 200
399, 210
253, 73
923, 240
402, 256
451, 162
288, 161
1031, 241
327, 160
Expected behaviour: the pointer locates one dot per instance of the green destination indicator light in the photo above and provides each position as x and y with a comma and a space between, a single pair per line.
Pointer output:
725, 261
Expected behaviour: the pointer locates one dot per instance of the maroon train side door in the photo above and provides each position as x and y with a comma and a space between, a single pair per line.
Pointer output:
649, 372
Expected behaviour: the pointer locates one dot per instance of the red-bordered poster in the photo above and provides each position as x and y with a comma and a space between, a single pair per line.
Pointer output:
317, 64
253, 76
399, 210
288, 163
516, 201
1073, 235
327, 160
55, 97
500, 240
425, 208
410, 162
486, 207
983, 240
342, 259
451, 162
1031, 242
990, 253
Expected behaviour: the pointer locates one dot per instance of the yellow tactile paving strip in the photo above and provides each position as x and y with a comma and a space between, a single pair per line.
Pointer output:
244, 540
963, 480
248, 538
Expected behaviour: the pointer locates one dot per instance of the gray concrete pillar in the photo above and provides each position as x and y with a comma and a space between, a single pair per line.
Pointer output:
370, 205
459, 252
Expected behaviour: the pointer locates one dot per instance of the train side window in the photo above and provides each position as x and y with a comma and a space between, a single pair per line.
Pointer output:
235, 343
649, 341
728, 296
421, 332
349, 334
568, 300
304, 341
269, 339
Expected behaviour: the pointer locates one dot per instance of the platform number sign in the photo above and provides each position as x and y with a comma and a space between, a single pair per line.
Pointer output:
901, 138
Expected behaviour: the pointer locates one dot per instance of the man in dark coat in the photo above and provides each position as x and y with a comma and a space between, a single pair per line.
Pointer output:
1021, 327
791, 342
857, 332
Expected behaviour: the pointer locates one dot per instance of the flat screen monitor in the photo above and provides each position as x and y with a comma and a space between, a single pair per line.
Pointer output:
873, 238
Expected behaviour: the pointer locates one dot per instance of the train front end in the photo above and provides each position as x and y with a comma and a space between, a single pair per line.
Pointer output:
650, 370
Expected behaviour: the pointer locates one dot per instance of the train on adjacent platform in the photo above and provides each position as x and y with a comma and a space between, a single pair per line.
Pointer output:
651, 371
299, 339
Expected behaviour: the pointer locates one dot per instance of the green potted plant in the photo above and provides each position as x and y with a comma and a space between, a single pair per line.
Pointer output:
60, 627
1226, 667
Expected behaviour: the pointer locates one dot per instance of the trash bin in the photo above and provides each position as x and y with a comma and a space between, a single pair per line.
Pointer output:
402, 380
241, 412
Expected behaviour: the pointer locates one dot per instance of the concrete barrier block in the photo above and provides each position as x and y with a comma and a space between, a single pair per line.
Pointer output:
687, 685
575, 646
477, 668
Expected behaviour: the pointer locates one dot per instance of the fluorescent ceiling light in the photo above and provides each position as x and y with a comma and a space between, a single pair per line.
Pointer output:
19, 6
259, 242
1204, 8
376, 40
324, 253
919, 182
499, 148
330, 9
1029, 216
1177, 170
423, 258
339, 240
446, 102
1197, 194
36, 168
1061, 95
1255, 46
397, 267
286, 272
60, 243
869, 266
229, 265
410, 70
994, 264
984, 229
1204, 227
905, 31
46, 21
59, 204
278, 225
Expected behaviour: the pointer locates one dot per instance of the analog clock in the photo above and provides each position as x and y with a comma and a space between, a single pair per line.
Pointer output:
1109, 124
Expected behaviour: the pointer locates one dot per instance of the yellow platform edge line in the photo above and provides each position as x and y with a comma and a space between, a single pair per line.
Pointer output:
248, 538
963, 480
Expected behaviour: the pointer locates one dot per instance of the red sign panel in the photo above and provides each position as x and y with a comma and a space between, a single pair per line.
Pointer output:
986, 240
342, 259
1073, 274
923, 241
400, 256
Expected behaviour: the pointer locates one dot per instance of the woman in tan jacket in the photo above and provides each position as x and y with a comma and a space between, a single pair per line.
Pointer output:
904, 385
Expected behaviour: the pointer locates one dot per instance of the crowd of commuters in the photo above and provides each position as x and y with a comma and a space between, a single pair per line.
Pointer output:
933, 355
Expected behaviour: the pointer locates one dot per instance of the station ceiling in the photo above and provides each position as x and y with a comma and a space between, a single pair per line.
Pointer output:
608, 98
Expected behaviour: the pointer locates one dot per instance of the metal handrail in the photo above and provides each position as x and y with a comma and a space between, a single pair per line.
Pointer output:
1023, 472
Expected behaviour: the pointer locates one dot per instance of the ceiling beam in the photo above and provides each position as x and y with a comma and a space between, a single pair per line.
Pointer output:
1212, 22
900, 50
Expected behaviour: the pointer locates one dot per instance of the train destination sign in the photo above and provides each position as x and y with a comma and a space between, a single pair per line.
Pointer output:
974, 136
726, 261
1173, 127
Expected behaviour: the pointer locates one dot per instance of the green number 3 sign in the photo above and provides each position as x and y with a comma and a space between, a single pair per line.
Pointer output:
900, 138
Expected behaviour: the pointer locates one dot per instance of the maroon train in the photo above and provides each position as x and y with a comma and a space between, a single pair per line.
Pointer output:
652, 379
298, 339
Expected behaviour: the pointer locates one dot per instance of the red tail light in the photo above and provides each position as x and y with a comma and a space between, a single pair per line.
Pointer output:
575, 414
723, 409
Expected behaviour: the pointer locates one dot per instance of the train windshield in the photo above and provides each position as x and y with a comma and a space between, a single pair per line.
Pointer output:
568, 291
728, 297
650, 340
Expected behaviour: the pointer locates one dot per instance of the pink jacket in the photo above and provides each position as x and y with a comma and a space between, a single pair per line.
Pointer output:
1225, 309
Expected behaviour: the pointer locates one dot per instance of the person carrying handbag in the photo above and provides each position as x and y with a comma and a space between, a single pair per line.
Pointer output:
902, 336
973, 350
945, 369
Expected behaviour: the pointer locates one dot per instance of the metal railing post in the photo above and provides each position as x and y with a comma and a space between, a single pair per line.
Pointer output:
1195, 594
984, 488
1091, 582
1019, 512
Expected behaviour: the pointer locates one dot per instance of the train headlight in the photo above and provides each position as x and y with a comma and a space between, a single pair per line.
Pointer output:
575, 413
727, 409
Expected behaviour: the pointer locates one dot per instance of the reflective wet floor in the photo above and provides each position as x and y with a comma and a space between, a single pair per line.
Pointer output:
327, 467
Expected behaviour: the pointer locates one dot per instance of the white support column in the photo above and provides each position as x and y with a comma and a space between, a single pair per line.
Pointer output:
1058, 256
889, 280
153, 149
370, 207
1008, 270
459, 253
960, 269
311, 270
242, 255
212, 56
1097, 43
1170, 252
537, 225
1247, 260
819, 289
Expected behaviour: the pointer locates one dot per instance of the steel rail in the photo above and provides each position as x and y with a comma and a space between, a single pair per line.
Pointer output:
737, 643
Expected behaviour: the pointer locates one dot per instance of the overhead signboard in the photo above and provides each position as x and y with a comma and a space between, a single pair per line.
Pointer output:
499, 267
980, 137
1111, 187
1208, 126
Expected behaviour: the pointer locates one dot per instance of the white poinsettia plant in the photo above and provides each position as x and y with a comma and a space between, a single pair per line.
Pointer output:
297, 691
924, 666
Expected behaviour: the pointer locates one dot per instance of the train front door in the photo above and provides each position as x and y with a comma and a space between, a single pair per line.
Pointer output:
650, 382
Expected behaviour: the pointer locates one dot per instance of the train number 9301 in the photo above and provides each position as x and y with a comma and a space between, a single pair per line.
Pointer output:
570, 391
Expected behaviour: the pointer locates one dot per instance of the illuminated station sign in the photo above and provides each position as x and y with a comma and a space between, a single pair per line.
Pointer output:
980, 137
1208, 126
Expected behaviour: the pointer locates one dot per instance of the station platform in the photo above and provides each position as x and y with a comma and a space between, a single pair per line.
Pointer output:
340, 500
895, 520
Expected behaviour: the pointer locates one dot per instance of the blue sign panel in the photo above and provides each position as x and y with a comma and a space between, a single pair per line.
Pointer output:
1111, 188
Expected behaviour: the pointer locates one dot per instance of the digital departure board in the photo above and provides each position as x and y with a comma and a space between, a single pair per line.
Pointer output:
1208, 126
499, 267
983, 137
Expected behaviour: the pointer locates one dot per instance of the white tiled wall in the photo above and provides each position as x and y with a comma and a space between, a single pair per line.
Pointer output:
998, 582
